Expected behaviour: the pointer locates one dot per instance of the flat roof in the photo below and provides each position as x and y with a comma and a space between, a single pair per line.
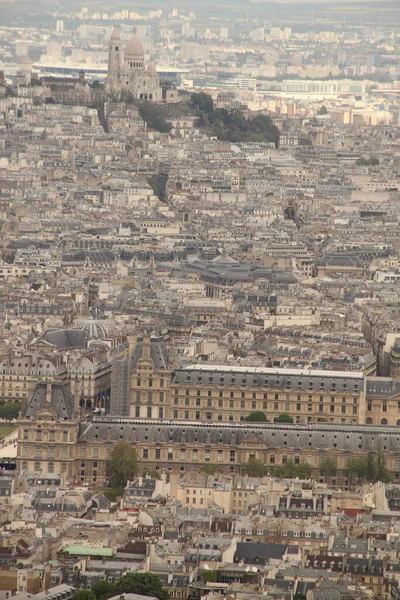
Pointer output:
88, 550
275, 371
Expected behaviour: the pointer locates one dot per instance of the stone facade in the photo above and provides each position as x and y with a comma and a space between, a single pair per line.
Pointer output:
127, 72
183, 419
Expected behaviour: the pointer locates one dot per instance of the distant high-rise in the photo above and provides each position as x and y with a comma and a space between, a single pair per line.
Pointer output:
26, 68
59, 26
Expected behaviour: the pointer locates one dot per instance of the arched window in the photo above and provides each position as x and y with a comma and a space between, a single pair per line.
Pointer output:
368, 421
383, 421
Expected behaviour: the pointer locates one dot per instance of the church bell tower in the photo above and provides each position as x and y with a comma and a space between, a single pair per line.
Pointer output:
114, 60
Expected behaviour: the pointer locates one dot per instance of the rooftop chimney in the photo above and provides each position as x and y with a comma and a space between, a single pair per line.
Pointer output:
146, 346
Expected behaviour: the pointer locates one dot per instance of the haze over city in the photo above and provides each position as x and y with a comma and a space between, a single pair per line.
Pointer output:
199, 300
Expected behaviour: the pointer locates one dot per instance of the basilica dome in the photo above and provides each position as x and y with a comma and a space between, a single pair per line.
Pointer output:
134, 48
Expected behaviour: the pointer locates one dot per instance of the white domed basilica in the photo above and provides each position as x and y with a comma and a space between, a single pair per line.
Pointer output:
127, 71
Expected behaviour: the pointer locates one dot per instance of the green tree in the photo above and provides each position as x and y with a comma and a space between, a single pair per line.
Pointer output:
356, 469
104, 590
84, 595
203, 102
257, 416
145, 584
367, 468
323, 110
153, 115
209, 469
381, 472
291, 470
153, 473
113, 494
158, 183
299, 596
370, 467
122, 465
255, 467
328, 466
284, 418
10, 410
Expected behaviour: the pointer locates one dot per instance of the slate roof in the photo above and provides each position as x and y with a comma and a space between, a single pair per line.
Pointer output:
158, 352
65, 338
95, 256
256, 552
382, 387
322, 436
232, 272
61, 400
299, 379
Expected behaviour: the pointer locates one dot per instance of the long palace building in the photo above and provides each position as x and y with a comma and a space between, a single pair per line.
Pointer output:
183, 419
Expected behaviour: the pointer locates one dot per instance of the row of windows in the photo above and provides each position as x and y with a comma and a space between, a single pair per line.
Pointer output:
40, 435
209, 416
39, 451
149, 396
186, 454
263, 395
38, 466
383, 407
269, 383
258, 405
149, 382
149, 411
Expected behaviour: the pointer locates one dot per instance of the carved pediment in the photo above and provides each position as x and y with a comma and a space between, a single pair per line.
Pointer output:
48, 412
253, 440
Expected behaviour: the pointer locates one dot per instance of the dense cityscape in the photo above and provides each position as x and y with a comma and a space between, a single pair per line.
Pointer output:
199, 300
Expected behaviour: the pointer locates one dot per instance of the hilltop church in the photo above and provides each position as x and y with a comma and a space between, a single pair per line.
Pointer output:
127, 71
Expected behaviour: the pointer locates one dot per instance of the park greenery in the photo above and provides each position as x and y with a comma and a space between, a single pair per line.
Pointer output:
144, 584
158, 183
232, 125
154, 116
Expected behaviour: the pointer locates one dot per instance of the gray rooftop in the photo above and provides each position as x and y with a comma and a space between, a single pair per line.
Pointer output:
60, 400
318, 436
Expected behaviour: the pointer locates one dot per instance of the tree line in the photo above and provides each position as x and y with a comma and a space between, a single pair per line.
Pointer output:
144, 584
232, 125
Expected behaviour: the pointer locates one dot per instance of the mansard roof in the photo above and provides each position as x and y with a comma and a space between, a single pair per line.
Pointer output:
347, 438
158, 352
56, 396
